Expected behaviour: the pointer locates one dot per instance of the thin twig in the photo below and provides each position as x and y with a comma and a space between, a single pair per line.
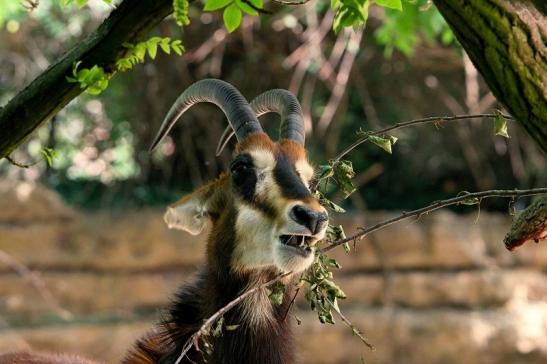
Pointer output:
193, 340
435, 206
432, 119
36, 281
290, 304
353, 328
17, 164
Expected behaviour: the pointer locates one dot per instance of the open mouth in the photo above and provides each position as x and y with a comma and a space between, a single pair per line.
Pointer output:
300, 243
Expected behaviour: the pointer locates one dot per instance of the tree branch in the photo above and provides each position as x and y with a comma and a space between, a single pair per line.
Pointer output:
50, 91
428, 120
193, 341
476, 198
505, 40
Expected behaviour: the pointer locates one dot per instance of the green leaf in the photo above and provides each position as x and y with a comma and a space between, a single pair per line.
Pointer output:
325, 171
246, 8
140, 51
277, 293
471, 201
343, 173
164, 45
347, 248
152, 48
232, 17
392, 4
49, 155
383, 143
180, 12
500, 125
177, 47
81, 3
212, 5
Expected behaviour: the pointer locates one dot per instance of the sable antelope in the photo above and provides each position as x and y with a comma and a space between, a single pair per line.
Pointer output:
264, 221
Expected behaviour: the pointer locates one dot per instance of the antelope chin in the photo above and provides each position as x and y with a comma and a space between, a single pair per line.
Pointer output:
294, 252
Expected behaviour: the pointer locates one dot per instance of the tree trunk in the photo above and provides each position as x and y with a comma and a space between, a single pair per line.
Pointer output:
505, 39
50, 91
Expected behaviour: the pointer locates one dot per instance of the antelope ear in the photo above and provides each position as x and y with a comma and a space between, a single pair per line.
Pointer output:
187, 214
192, 211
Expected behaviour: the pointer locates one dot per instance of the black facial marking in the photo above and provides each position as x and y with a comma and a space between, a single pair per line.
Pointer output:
288, 180
244, 176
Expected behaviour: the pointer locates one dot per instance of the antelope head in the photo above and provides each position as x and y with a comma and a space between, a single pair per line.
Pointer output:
262, 211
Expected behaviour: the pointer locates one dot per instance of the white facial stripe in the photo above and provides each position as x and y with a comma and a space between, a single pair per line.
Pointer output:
263, 159
255, 239
304, 170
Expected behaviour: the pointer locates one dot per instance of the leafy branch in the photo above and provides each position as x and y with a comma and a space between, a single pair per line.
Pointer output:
500, 128
465, 198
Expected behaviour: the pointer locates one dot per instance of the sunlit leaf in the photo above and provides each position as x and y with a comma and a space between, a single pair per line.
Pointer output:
383, 143
232, 17
246, 8
392, 4
500, 125
212, 5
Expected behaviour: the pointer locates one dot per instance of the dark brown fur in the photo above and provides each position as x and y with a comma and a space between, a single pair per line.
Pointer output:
214, 287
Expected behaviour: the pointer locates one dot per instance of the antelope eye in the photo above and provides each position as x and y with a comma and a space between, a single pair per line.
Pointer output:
241, 163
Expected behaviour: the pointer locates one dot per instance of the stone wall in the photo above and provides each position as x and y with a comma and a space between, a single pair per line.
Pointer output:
439, 290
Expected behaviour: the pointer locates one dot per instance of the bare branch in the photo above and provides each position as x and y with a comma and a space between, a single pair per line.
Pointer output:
18, 164
193, 340
428, 120
478, 196
36, 281
349, 324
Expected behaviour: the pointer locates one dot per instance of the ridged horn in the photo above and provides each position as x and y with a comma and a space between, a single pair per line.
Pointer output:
241, 117
281, 102
287, 106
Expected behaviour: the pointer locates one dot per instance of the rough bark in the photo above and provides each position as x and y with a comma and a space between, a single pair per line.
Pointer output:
506, 39
50, 91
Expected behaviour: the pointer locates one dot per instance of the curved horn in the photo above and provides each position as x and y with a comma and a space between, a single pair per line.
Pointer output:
241, 117
286, 105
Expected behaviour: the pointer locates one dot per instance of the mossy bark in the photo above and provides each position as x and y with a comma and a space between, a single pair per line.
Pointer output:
50, 91
506, 39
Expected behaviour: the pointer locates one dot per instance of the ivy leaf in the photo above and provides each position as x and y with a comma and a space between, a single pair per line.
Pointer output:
212, 5
383, 143
232, 17
392, 4
500, 125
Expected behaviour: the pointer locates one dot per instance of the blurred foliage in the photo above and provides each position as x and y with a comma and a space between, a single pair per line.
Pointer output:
408, 67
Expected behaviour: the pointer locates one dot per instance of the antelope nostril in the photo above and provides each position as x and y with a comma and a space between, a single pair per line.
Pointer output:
311, 219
